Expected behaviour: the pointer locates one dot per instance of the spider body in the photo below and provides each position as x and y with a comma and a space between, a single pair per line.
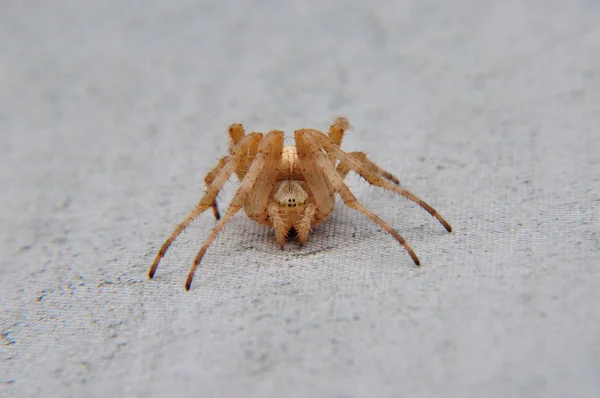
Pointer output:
291, 211
290, 188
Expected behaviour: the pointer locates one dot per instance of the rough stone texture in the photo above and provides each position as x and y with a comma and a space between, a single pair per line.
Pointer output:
111, 112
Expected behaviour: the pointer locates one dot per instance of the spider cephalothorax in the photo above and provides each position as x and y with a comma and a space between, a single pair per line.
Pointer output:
290, 188
290, 193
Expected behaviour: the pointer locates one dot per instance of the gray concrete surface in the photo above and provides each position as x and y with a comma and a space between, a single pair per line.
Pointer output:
111, 112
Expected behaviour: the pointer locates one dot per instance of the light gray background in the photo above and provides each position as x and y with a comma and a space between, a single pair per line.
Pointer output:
111, 112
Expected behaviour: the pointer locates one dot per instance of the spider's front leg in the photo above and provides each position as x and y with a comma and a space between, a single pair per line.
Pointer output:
336, 134
236, 134
253, 192
319, 167
372, 177
207, 200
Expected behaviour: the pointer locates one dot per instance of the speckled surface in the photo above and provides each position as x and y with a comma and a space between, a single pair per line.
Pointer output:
111, 112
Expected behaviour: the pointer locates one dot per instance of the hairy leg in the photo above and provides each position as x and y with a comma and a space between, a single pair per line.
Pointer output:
336, 133
207, 200
349, 199
318, 184
236, 134
257, 176
343, 168
373, 178
210, 177
337, 130
303, 227
270, 151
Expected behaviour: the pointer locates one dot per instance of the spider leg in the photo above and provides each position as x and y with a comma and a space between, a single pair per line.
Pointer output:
262, 172
209, 197
318, 183
337, 130
327, 170
236, 133
336, 133
210, 177
343, 168
270, 151
372, 177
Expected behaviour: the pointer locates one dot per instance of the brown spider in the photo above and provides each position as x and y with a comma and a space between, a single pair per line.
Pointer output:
290, 188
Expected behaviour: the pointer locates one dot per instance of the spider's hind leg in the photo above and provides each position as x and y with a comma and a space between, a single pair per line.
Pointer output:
337, 130
236, 133
210, 177
344, 168
336, 134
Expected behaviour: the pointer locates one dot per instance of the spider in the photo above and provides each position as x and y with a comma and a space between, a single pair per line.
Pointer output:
290, 188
